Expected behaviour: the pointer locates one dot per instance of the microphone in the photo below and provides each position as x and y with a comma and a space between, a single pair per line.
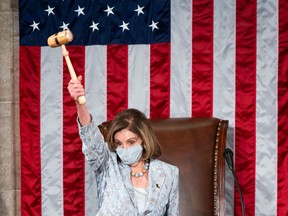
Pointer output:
228, 155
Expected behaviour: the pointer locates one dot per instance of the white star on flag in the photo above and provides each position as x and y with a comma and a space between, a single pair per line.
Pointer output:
80, 11
35, 25
50, 10
94, 26
154, 25
109, 10
64, 26
139, 10
124, 26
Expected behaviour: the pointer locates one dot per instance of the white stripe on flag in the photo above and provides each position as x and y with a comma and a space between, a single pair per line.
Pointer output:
224, 80
181, 59
95, 87
96, 80
266, 108
51, 131
139, 78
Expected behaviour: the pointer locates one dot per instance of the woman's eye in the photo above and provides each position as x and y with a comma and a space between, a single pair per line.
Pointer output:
132, 142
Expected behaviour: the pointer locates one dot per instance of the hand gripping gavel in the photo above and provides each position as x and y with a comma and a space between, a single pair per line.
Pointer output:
60, 39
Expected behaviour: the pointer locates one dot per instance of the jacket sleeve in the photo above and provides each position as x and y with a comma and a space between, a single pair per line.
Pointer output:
173, 206
94, 147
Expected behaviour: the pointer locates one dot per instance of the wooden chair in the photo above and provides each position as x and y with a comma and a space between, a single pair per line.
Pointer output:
196, 146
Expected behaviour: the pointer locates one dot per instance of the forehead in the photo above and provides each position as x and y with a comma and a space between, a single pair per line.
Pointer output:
125, 134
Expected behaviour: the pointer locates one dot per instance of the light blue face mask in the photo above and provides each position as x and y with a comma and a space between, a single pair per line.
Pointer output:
131, 154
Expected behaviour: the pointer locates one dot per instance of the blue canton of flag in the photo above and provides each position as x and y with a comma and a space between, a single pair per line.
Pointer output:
95, 21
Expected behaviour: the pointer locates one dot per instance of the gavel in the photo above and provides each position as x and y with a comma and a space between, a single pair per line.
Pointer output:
60, 39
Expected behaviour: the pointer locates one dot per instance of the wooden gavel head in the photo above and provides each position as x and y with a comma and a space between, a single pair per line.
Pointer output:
60, 38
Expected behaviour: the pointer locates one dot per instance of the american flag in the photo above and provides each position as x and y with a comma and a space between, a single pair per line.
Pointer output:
177, 58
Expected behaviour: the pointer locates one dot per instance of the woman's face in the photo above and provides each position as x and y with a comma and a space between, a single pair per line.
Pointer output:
125, 138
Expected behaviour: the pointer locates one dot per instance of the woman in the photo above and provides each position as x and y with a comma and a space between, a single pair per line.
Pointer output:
130, 179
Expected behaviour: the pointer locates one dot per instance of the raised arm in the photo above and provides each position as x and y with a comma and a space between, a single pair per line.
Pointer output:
76, 90
93, 144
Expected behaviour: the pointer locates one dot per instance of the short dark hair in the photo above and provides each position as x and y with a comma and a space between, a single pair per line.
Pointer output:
136, 122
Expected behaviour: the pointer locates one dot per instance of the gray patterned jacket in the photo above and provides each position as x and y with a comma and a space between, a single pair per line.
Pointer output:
114, 188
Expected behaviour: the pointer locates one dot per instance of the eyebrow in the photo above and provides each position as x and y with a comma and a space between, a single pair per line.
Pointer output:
131, 138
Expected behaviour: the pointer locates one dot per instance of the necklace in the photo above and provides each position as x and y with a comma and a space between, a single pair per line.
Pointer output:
146, 168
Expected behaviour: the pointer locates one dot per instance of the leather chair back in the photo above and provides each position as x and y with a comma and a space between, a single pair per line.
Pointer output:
196, 146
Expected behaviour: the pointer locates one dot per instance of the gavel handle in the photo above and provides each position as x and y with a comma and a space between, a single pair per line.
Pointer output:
81, 99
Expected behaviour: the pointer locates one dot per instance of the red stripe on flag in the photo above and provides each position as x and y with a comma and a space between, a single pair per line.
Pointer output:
202, 58
245, 116
30, 130
282, 193
73, 158
117, 79
160, 80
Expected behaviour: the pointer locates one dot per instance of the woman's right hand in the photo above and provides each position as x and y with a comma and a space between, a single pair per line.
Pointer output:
75, 88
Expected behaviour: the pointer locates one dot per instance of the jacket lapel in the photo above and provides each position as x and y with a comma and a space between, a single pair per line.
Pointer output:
156, 182
125, 173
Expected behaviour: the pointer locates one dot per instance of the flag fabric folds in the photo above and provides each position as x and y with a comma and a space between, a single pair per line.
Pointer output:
168, 58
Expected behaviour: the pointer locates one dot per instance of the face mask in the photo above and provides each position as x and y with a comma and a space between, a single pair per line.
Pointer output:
130, 155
